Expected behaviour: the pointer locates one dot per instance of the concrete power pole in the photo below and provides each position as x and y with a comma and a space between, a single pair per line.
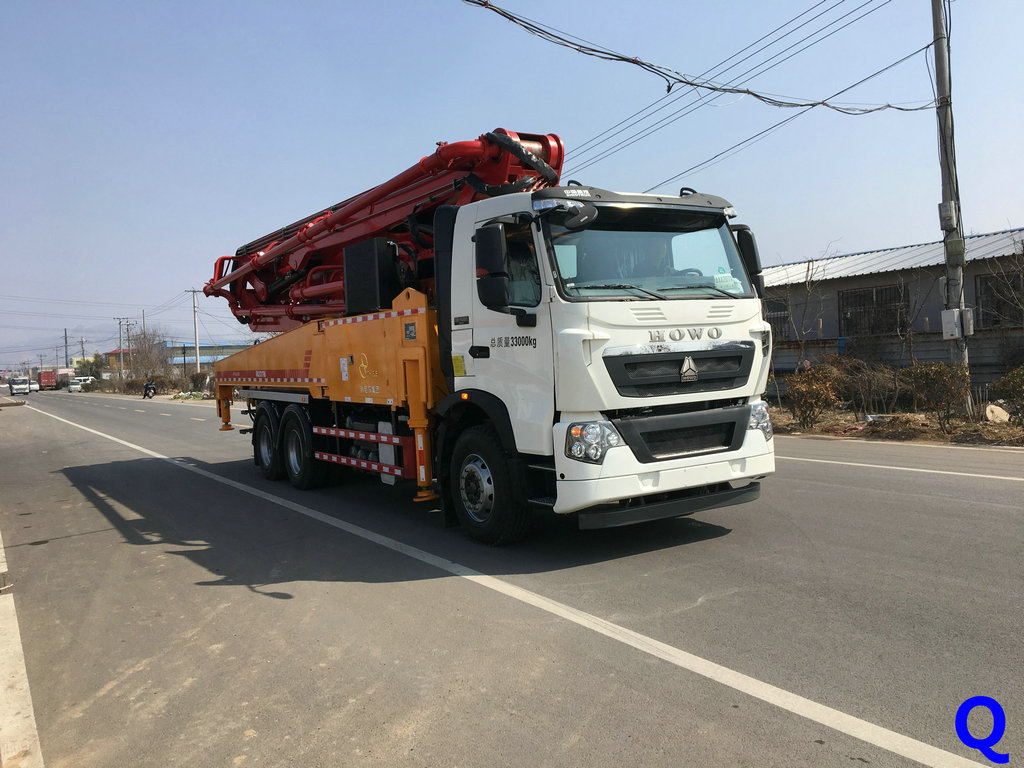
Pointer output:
120, 347
195, 328
949, 209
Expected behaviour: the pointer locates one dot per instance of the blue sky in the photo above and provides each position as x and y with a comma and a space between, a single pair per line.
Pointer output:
140, 141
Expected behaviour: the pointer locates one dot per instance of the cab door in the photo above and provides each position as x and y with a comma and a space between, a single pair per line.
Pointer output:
512, 341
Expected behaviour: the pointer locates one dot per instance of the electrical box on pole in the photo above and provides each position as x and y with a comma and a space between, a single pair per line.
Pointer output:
957, 323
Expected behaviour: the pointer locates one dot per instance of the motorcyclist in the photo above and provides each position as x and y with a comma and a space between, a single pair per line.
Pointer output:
149, 389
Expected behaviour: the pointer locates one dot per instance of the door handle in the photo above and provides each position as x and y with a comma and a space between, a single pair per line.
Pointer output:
477, 352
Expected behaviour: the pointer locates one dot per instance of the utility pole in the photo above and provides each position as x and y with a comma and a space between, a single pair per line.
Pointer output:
949, 208
195, 327
67, 360
128, 340
120, 347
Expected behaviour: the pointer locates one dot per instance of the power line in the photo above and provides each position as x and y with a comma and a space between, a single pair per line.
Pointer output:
673, 77
762, 134
708, 99
586, 145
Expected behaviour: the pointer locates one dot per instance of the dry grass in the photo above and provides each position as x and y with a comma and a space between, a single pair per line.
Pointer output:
902, 426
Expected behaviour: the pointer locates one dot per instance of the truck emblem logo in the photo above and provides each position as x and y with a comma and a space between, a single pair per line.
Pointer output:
364, 367
681, 334
689, 370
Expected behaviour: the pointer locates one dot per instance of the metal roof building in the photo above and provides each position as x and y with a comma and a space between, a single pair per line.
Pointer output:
978, 247
887, 305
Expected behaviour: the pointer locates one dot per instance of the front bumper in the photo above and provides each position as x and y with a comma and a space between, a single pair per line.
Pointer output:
580, 486
675, 505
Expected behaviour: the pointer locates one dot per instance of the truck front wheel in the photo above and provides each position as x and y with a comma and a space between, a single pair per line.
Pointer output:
486, 488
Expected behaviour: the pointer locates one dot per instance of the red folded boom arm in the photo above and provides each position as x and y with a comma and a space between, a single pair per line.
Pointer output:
297, 273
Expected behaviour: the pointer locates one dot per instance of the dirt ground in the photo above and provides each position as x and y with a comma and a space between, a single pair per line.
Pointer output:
906, 427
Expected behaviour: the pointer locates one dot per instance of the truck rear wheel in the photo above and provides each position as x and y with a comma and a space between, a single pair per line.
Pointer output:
266, 450
303, 470
486, 488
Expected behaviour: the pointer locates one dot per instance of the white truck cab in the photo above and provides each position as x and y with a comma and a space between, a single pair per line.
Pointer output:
618, 344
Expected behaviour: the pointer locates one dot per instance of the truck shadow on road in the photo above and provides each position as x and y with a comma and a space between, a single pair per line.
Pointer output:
256, 540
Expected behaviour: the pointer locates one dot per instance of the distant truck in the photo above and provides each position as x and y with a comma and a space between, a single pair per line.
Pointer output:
47, 379
19, 385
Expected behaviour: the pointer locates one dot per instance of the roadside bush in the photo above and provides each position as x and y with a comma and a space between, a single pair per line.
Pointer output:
199, 382
942, 388
164, 385
868, 387
812, 392
1010, 389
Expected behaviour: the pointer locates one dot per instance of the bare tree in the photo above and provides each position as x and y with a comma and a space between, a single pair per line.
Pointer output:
1003, 295
798, 308
1000, 300
914, 295
149, 354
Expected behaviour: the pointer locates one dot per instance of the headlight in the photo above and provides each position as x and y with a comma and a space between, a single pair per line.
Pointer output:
759, 419
589, 441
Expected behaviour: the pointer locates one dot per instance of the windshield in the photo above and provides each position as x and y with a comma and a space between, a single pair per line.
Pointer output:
648, 253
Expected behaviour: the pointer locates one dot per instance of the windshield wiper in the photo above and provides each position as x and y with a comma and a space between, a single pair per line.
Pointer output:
619, 287
700, 287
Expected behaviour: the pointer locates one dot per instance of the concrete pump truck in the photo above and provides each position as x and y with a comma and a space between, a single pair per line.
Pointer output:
506, 345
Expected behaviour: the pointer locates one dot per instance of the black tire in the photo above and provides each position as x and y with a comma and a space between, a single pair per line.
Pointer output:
266, 447
486, 488
304, 471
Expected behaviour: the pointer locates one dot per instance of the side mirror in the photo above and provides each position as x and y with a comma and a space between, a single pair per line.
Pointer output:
580, 217
748, 252
492, 279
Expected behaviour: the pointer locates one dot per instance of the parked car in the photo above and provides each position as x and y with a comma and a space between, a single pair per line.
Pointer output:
19, 385
33, 385
74, 386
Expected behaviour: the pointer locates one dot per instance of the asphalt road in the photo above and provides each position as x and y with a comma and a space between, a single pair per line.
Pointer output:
173, 608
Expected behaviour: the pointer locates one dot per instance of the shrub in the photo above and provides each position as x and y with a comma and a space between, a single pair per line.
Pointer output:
869, 387
199, 382
811, 392
942, 388
1010, 389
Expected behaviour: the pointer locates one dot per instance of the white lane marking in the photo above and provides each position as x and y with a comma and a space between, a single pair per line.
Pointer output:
904, 469
867, 732
893, 443
19, 737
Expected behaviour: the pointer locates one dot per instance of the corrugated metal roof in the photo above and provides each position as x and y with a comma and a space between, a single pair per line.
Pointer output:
893, 259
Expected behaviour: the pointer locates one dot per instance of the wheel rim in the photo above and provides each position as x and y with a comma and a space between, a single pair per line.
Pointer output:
293, 452
265, 445
476, 487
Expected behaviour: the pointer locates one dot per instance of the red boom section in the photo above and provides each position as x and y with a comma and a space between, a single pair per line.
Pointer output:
297, 273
